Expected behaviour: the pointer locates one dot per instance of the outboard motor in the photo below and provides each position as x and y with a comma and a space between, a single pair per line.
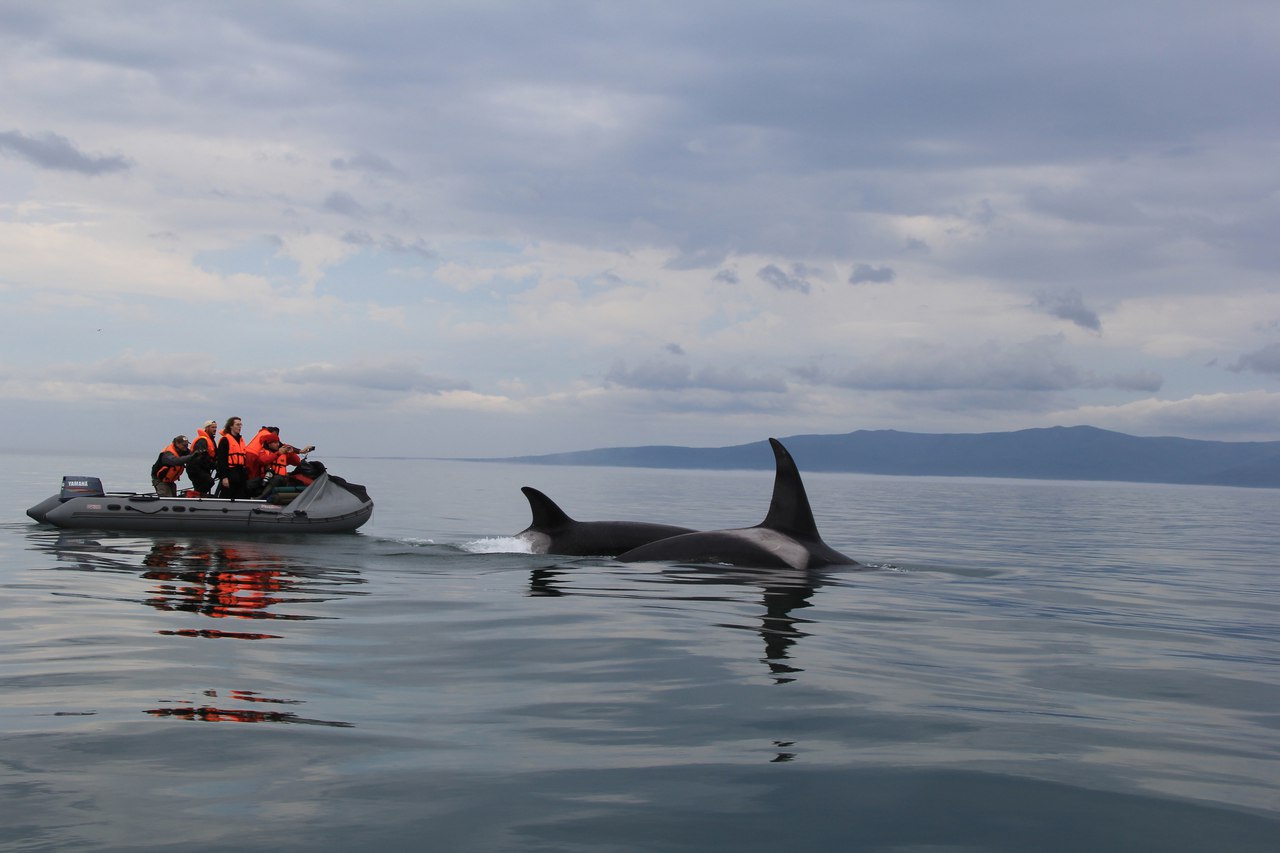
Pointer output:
81, 487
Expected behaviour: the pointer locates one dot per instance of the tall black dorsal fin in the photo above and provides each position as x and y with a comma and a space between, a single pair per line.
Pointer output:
789, 510
546, 514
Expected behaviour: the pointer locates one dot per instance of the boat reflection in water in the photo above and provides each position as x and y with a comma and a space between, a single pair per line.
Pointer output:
211, 713
223, 582
238, 580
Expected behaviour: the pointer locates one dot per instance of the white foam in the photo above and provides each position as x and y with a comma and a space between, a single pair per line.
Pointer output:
499, 545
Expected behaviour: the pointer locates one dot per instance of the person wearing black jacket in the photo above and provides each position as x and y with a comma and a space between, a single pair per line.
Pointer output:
205, 448
233, 477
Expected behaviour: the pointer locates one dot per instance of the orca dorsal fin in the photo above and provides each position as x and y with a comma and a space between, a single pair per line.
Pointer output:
547, 515
789, 510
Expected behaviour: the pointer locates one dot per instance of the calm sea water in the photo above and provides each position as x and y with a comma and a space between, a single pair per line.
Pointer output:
1028, 666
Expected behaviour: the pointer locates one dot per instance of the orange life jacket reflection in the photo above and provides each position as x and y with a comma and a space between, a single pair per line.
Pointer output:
167, 473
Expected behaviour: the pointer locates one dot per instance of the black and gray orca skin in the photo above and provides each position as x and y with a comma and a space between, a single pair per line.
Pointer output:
787, 538
554, 532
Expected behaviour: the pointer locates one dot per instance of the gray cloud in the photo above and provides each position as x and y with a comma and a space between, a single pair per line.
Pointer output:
1034, 366
389, 377
1146, 381
697, 259
729, 121
794, 280
344, 204
390, 243
867, 273
365, 162
541, 133
1265, 360
663, 375
1088, 205
652, 375
51, 151
133, 371
1069, 305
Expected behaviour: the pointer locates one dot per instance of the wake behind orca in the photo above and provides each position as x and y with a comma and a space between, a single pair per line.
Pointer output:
787, 538
554, 532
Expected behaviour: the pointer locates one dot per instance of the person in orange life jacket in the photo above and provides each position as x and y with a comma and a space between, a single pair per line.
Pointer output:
257, 458
233, 476
169, 466
253, 450
273, 462
253, 445
205, 448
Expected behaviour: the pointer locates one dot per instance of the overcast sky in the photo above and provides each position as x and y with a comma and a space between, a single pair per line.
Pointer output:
497, 228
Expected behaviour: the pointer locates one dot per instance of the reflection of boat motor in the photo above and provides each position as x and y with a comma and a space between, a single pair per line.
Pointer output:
81, 487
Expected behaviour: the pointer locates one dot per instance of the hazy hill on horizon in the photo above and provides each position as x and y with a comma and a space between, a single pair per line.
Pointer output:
1052, 453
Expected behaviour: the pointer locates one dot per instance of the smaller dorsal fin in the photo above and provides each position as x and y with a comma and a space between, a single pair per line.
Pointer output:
789, 510
546, 514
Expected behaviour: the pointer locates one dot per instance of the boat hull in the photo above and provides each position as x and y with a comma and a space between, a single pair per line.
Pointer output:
328, 505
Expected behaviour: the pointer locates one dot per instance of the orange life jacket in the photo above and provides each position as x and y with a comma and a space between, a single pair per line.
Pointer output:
255, 444
267, 460
167, 473
282, 462
235, 450
211, 442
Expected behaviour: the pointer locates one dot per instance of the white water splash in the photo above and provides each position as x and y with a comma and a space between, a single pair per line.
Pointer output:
498, 545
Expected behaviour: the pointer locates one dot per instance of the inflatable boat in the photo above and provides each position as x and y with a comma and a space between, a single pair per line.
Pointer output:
328, 505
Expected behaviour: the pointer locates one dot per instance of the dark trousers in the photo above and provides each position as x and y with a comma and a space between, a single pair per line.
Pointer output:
201, 479
238, 484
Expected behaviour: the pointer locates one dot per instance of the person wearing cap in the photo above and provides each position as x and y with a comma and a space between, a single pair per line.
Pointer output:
205, 448
169, 466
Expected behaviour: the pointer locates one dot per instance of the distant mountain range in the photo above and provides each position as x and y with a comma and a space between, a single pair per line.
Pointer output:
1057, 453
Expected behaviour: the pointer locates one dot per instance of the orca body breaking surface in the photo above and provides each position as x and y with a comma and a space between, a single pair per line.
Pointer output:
554, 532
